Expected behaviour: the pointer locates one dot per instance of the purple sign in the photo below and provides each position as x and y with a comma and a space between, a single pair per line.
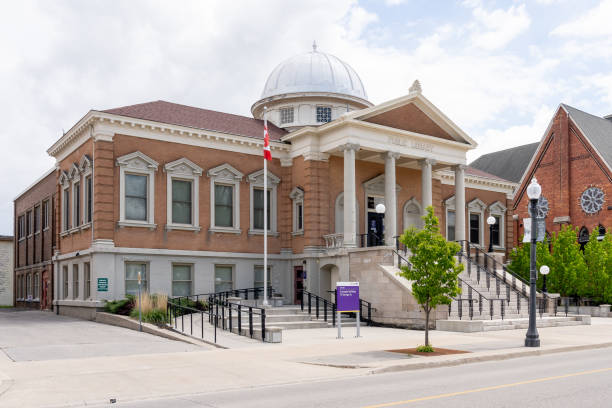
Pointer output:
347, 295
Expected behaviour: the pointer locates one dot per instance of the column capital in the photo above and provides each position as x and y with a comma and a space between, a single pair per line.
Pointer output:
350, 146
391, 155
460, 167
427, 162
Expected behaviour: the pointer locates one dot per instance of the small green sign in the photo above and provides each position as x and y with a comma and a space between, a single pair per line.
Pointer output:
102, 284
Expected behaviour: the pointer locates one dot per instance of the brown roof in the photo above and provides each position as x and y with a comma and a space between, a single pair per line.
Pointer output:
175, 114
479, 173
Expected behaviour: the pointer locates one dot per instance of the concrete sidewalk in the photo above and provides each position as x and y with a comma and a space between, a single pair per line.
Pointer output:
304, 356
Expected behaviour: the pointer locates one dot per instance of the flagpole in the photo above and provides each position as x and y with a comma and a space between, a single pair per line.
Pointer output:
265, 211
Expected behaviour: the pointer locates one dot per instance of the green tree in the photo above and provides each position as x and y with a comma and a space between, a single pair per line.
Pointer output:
435, 271
567, 262
595, 281
520, 260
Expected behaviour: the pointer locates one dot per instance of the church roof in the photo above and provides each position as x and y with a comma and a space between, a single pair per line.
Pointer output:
509, 164
182, 115
598, 130
472, 171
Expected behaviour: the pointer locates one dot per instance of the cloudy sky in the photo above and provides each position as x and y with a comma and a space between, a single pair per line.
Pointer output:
497, 68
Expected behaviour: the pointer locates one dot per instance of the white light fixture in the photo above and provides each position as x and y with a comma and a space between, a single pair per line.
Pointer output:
491, 220
534, 190
544, 270
380, 208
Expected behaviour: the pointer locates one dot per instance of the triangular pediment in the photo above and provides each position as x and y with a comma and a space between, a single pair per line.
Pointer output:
409, 117
414, 113
183, 166
258, 178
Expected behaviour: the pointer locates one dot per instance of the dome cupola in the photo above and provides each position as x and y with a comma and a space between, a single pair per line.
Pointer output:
314, 78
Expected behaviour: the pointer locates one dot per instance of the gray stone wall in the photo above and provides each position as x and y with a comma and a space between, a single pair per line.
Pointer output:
6, 273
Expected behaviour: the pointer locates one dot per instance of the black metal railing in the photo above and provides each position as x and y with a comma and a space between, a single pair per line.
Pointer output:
219, 311
321, 307
371, 239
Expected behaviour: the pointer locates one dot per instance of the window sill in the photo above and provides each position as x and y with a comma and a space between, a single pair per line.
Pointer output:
85, 226
226, 230
136, 224
45, 229
70, 231
261, 232
297, 233
170, 227
21, 239
37, 233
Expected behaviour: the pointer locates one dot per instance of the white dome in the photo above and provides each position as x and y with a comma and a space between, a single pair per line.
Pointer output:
314, 71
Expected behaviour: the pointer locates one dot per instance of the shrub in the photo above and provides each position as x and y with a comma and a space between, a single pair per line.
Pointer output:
121, 307
425, 349
155, 316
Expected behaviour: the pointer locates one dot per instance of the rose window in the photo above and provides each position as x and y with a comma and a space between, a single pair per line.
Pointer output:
592, 200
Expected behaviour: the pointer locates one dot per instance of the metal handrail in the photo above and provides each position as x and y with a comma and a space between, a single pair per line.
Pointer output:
318, 300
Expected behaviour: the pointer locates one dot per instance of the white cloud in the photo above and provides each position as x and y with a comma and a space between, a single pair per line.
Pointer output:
593, 23
495, 29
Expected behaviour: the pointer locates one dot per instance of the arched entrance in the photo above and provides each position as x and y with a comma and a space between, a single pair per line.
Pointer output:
328, 276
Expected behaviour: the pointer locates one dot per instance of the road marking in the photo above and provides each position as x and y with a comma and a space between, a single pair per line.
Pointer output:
494, 387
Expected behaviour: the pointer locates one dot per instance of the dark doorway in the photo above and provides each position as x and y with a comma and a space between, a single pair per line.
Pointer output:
298, 272
583, 237
376, 229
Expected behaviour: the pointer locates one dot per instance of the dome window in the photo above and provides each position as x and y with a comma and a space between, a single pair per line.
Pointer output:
323, 114
286, 115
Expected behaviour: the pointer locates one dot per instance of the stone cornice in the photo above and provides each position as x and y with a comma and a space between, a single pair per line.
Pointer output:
103, 126
478, 182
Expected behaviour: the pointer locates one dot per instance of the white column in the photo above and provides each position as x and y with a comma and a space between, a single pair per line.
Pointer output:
426, 183
350, 218
460, 202
390, 198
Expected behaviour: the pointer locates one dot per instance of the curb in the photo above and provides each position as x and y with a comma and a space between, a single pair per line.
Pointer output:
5, 383
492, 357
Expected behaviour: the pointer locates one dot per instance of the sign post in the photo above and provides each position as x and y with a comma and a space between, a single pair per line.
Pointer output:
347, 299
139, 302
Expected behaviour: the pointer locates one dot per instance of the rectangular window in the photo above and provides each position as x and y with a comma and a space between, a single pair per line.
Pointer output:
181, 202
65, 280
29, 286
223, 278
450, 225
29, 222
45, 215
66, 210
21, 227
258, 278
286, 115
36, 286
87, 279
258, 206
300, 216
136, 197
495, 228
131, 277
76, 195
475, 228
88, 199
224, 205
37, 218
75, 281
323, 114
181, 280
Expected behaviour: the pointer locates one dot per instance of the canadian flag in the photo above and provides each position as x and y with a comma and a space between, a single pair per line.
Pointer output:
266, 149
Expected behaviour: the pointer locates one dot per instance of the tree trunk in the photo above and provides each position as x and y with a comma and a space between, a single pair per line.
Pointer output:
427, 309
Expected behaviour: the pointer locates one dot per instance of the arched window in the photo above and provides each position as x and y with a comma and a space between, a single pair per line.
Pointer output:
583, 237
602, 232
339, 214
412, 214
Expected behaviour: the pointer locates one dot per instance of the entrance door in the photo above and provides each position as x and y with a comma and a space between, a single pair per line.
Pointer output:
298, 272
376, 229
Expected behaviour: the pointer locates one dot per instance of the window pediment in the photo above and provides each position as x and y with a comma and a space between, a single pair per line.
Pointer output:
225, 172
296, 194
137, 161
258, 178
477, 205
497, 208
74, 171
376, 185
85, 163
449, 203
183, 166
63, 179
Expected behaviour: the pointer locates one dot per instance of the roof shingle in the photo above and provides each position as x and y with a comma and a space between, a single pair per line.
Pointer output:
509, 164
182, 115
597, 130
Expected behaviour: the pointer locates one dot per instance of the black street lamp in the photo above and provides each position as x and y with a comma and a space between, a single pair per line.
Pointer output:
532, 339
544, 271
491, 222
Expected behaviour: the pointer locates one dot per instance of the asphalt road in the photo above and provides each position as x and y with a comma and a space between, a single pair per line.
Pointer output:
576, 379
